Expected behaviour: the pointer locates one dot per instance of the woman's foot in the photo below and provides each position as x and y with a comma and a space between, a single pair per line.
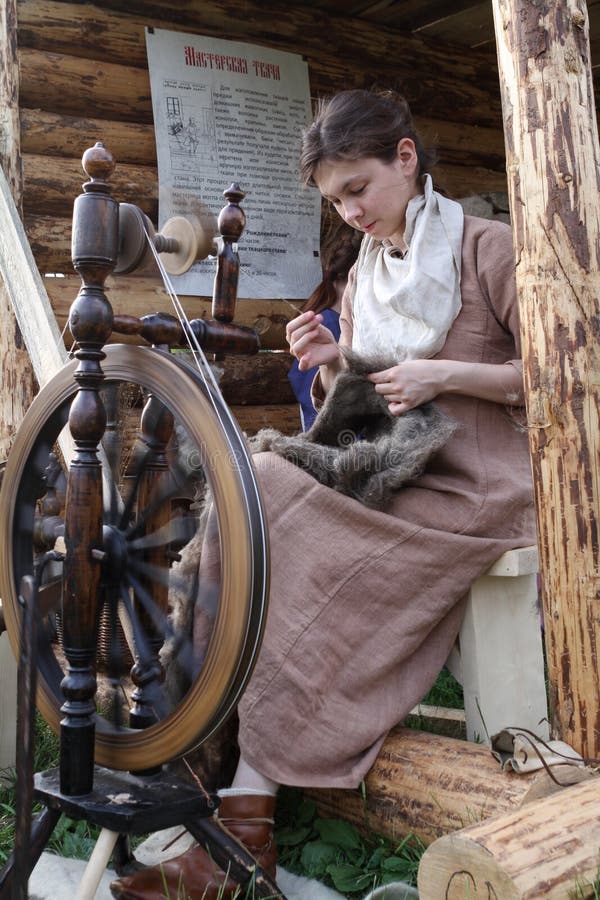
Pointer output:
194, 875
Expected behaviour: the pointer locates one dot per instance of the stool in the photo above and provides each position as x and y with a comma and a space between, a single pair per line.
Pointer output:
498, 657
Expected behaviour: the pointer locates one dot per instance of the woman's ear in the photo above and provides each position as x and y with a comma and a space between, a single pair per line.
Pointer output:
407, 155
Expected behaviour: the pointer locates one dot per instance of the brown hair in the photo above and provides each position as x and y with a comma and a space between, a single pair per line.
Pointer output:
359, 123
339, 248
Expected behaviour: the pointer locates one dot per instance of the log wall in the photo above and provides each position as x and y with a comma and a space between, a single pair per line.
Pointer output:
84, 77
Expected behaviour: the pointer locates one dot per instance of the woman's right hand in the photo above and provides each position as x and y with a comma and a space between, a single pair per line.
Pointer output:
311, 343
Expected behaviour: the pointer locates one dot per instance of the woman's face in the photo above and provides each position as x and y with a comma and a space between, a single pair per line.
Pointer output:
371, 195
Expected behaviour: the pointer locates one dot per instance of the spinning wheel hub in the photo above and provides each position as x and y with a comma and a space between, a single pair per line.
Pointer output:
115, 547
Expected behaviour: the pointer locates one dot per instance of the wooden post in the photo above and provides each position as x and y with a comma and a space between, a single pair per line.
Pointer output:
553, 178
16, 381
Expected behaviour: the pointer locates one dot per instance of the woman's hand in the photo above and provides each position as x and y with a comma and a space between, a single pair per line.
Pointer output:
408, 384
311, 343
417, 381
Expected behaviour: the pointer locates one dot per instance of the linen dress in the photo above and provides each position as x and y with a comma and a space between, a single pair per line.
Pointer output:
365, 605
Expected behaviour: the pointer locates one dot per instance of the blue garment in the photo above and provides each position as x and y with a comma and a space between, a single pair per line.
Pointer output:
301, 381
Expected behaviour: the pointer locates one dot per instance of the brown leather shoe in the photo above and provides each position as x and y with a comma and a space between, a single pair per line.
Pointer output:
191, 876
249, 818
194, 875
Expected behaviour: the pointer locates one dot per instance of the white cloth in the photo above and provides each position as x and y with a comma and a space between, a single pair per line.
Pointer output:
404, 306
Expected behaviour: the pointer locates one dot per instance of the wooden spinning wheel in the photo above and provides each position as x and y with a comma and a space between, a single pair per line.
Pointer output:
127, 516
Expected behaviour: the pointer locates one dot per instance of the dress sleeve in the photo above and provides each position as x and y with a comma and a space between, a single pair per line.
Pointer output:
495, 263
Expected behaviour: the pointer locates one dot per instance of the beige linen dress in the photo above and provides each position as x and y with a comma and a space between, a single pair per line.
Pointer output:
366, 605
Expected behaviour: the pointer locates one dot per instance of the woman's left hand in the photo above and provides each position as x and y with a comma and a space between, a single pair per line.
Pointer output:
417, 381
408, 384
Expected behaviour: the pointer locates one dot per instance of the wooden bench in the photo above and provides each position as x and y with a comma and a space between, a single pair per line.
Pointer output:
498, 657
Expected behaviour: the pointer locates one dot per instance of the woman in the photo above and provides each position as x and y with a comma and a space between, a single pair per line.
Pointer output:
365, 605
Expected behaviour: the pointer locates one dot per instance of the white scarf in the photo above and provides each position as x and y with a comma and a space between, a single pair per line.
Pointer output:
404, 307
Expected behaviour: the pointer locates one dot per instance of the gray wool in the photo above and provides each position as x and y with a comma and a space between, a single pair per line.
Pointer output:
355, 445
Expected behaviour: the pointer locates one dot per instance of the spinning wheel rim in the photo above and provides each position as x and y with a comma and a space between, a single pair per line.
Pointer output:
244, 573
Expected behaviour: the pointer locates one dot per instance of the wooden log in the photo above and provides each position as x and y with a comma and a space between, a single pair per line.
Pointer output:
548, 850
50, 242
358, 56
429, 785
52, 184
51, 134
71, 85
260, 379
285, 418
554, 165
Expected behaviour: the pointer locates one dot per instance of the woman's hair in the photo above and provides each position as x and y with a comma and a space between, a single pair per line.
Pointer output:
359, 123
339, 249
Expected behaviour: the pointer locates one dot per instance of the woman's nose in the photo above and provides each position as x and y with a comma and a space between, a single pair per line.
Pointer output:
351, 211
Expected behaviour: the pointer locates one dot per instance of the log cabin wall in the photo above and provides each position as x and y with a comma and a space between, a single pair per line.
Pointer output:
84, 77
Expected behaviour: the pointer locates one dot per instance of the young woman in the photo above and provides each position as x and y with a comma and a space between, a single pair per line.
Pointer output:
365, 605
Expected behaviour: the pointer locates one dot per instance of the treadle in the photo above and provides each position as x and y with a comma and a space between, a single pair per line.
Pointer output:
126, 803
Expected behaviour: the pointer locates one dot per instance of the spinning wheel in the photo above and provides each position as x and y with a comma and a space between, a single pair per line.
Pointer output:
128, 511
144, 528
137, 439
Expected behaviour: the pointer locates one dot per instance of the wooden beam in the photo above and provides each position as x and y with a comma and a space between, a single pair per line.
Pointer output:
26, 292
553, 163
547, 850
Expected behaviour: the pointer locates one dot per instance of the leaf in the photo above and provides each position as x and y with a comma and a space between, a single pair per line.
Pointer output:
335, 831
346, 878
307, 811
316, 856
396, 864
290, 837
376, 857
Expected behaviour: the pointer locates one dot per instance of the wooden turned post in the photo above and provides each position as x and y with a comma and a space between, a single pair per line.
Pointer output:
231, 223
94, 253
147, 673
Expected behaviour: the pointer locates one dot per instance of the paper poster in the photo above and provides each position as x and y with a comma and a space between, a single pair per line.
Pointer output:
228, 112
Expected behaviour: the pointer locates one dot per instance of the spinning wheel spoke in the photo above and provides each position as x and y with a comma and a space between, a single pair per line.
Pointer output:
150, 483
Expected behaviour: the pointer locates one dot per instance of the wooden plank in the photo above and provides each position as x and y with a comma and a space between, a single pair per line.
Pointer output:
51, 134
547, 850
26, 291
16, 381
553, 160
8, 707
